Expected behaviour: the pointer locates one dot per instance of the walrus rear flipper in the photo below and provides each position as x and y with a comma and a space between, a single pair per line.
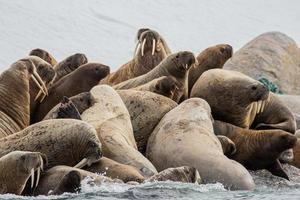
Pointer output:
69, 183
276, 170
67, 110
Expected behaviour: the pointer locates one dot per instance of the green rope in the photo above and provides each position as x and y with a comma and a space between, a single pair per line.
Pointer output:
270, 85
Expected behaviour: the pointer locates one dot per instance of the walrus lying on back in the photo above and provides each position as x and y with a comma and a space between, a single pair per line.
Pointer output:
46, 56
175, 65
64, 142
210, 58
18, 168
15, 87
150, 51
257, 149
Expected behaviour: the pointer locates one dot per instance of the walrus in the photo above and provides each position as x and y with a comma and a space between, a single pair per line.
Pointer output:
185, 137
43, 54
113, 169
176, 65
18, 168
296, 160
228, 145
165, 85
60, 179
64, 141
273, 56
183, 174
69, 65
150, 51
78, 81
242, 101
111, 119
15, 95
257, 149
77, 103
146, 110
210, 58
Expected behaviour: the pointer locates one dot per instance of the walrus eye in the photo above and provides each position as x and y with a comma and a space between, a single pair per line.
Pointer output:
254, 87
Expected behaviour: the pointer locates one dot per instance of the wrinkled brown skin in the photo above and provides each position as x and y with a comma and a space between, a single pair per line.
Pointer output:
47, 74
15, 97
140, 64
231, 96
257, 149
296, 149
146, 109
62, 179
113, 169
183, 174
173, 65
81, 101
210, 58
43, 54
228, 145
78, 81
15, 170
69, 65
165, 85
63, 141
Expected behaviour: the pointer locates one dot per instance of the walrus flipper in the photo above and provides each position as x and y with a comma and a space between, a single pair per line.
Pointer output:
276, 170
69, 183
67, 110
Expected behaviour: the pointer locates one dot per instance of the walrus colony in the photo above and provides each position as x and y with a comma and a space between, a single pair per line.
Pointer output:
160, 116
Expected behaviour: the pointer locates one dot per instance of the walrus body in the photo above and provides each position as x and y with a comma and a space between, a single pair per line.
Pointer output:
111, 119
210, 58
15, 96
296, 150
113, 169
146, 110
81, 102
185, 137
69, 65
43, 54
165, 85
78, 81
273, 56
60, 179
17, 168
242, 101
63, 141
257, 149
149, 53
175, 65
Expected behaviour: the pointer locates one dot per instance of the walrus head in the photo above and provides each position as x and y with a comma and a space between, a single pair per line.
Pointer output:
182, 61
166, 86
43, 55
149, 42
83, 101
94, 72
73, 62
21, 168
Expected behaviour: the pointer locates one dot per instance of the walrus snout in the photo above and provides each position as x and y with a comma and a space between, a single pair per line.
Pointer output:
184, 60
226, 50
102, 70
259, 91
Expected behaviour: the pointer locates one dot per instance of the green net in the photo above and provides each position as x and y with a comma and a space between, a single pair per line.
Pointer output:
269, 84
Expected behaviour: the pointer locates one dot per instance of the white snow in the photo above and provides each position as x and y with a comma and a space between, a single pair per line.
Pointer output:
105, 30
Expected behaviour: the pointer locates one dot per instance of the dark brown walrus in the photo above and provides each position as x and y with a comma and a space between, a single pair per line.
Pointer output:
15, 95
46, 56
175, 65
257, 149
210, 58
69, 64
78, 81
150, 51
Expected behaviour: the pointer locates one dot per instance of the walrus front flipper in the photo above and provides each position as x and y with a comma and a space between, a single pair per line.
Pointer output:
69, 183
67, 110
228, 145
276, 170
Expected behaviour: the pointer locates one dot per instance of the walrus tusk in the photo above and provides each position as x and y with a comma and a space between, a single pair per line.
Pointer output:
153, 47
42, 99
137, 48
82, 163
38, 177
37, 76
38, 85
186, 66
42, 163
32, 177
143, 46
263, 106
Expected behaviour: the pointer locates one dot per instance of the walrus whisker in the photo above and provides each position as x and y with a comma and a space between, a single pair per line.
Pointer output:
38, 176
143, 46
153, 47
32, 177
82, 163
